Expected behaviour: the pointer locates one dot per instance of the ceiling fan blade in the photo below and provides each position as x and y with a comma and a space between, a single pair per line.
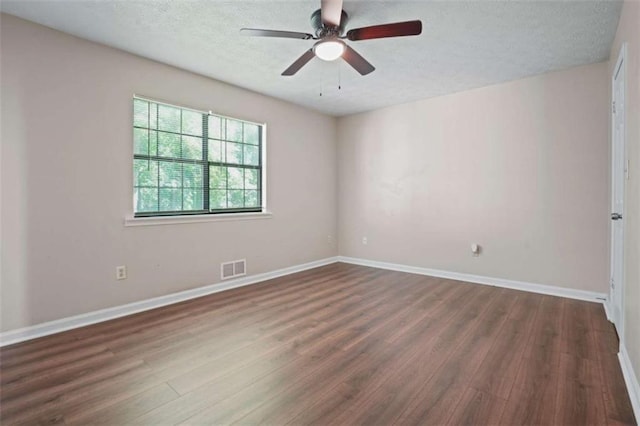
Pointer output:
397, 29
299, 63
354, 59
331, 11
255, 32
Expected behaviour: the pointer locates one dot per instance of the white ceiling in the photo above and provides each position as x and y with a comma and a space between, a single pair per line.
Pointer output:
464, 44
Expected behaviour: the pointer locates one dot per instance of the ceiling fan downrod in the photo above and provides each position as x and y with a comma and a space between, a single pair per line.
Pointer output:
323, 30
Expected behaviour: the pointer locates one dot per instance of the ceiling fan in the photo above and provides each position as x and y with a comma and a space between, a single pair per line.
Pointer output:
329, 22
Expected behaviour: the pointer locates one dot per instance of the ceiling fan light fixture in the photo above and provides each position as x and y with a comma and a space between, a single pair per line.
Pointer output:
329, 50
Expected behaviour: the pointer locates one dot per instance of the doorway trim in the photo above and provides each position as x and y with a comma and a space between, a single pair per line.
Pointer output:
618, 320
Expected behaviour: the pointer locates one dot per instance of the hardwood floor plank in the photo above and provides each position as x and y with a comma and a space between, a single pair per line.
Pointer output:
24, 375
209, 346
210, 371
498, 372
221, 388
579, 399
545, 336
121, 412
48, 404
195, 399
533, 396
303, 398
329, 361
352, 387
476, 408
434, 401
577, 336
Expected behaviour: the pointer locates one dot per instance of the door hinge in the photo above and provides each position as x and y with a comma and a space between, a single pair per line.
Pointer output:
614, 107
613, 284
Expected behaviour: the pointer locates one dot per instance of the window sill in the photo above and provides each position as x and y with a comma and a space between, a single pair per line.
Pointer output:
172, 220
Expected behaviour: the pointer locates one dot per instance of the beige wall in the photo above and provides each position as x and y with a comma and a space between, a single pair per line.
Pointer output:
519, 168
67, 177
629, 31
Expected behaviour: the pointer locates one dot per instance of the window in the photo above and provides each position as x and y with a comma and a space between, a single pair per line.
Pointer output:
193, 162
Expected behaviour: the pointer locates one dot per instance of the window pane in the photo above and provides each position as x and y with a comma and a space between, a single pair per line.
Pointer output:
170, 199
236, 178
251, 134
236, 199
168, 145
141, 141
215, 125
170, 175
153, 115
191, 123
234, 130
251, 155
145, 173
145, 199
192, 148
234, 153
218, 199
153, 142
193, 199
140, 113
192, 176
217, 177
251, 199
216, 153
250, 179
168, 118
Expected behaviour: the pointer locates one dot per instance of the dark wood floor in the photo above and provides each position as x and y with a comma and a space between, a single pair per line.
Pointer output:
341, 344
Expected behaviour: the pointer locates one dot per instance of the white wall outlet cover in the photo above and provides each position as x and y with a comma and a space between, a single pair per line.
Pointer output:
121, 272
364, 240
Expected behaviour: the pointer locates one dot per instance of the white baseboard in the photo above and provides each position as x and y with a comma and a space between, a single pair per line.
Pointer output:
589, 296
607, 311
64, 324
631, 379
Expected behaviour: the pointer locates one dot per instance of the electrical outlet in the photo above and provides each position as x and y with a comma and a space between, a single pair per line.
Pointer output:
121, 272
329, 239
364, 240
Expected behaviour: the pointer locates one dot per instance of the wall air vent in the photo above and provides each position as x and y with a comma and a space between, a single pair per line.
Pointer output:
236, 268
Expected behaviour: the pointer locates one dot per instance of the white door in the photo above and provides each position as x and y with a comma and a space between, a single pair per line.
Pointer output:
618, 174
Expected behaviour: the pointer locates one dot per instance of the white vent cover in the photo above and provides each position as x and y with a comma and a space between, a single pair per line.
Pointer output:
238, 267
233, 269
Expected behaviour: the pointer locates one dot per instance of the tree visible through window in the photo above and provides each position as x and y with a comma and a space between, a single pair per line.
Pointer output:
191, 162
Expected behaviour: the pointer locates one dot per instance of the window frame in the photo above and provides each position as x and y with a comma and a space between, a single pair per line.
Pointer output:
206, 213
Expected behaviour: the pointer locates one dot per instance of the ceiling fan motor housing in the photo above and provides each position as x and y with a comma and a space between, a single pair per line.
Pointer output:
322, 30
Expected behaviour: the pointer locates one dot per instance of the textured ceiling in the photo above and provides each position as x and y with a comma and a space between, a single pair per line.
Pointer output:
464, 44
